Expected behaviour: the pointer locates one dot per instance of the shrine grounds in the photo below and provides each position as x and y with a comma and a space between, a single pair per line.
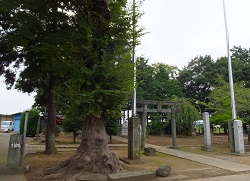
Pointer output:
182, 169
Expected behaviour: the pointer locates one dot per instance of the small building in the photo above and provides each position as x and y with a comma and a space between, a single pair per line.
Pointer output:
6, 117
15, 118
59, 119
17, 121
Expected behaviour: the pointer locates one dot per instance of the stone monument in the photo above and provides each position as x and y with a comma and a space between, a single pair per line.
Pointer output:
207, 133
238, 137
134, 138
16, 151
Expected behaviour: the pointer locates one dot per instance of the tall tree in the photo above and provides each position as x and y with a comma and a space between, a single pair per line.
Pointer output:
166, 85
197, 78
220, 103
87, 43
35, 35
241, 65
157, 82
145, 79
100, 81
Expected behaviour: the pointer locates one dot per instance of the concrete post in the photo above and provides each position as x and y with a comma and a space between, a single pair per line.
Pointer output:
207, 133
143, 126
16, 151
238, 137
25, 125
173, 126
38, 127
231, 137
25, 130
134, 138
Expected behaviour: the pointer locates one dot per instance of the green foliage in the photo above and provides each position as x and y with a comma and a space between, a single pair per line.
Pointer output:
72, 125
32, 122
112, 127
101, 76
82, 57
185, 119
157, 82
197, 78
221, 102
156, 127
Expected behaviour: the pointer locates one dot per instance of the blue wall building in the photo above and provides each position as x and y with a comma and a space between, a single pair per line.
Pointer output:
17, 120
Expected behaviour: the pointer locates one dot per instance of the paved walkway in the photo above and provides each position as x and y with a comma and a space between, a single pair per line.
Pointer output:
241, 177
215, 162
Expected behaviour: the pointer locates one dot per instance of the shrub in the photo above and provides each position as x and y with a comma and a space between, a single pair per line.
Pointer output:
72, 125
156, 127
32, 122
112, 127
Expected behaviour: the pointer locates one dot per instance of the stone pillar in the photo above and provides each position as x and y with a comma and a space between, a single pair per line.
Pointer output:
238, 137
134, 138
173, 126
207, 133
231, 136
143, 126
16, 151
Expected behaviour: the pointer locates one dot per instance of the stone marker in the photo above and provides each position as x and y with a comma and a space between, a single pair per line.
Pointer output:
15, 153
149, 151
134, 138
163, 170
207, 134
132, 176
94, 177
238, 137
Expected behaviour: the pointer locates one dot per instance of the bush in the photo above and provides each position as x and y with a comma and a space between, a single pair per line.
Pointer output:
185, 119
72, 125
156, 127
32, 122
112, 127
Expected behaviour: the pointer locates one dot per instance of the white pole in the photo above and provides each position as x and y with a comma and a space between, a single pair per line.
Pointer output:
229, 66
134, 61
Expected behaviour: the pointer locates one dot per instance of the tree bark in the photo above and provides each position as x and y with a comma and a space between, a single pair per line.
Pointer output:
93, 154
50, 147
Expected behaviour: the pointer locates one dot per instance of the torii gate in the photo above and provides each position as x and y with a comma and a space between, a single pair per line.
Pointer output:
160, 109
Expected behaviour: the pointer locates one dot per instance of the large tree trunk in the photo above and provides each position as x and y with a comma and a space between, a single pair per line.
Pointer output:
93, 154
51, 122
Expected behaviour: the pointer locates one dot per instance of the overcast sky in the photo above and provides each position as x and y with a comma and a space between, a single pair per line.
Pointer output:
179, 30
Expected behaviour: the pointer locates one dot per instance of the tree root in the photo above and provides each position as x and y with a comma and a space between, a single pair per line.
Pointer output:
58, 168
55, 176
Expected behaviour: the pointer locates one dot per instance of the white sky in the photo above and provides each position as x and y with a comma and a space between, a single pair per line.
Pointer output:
178, 30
